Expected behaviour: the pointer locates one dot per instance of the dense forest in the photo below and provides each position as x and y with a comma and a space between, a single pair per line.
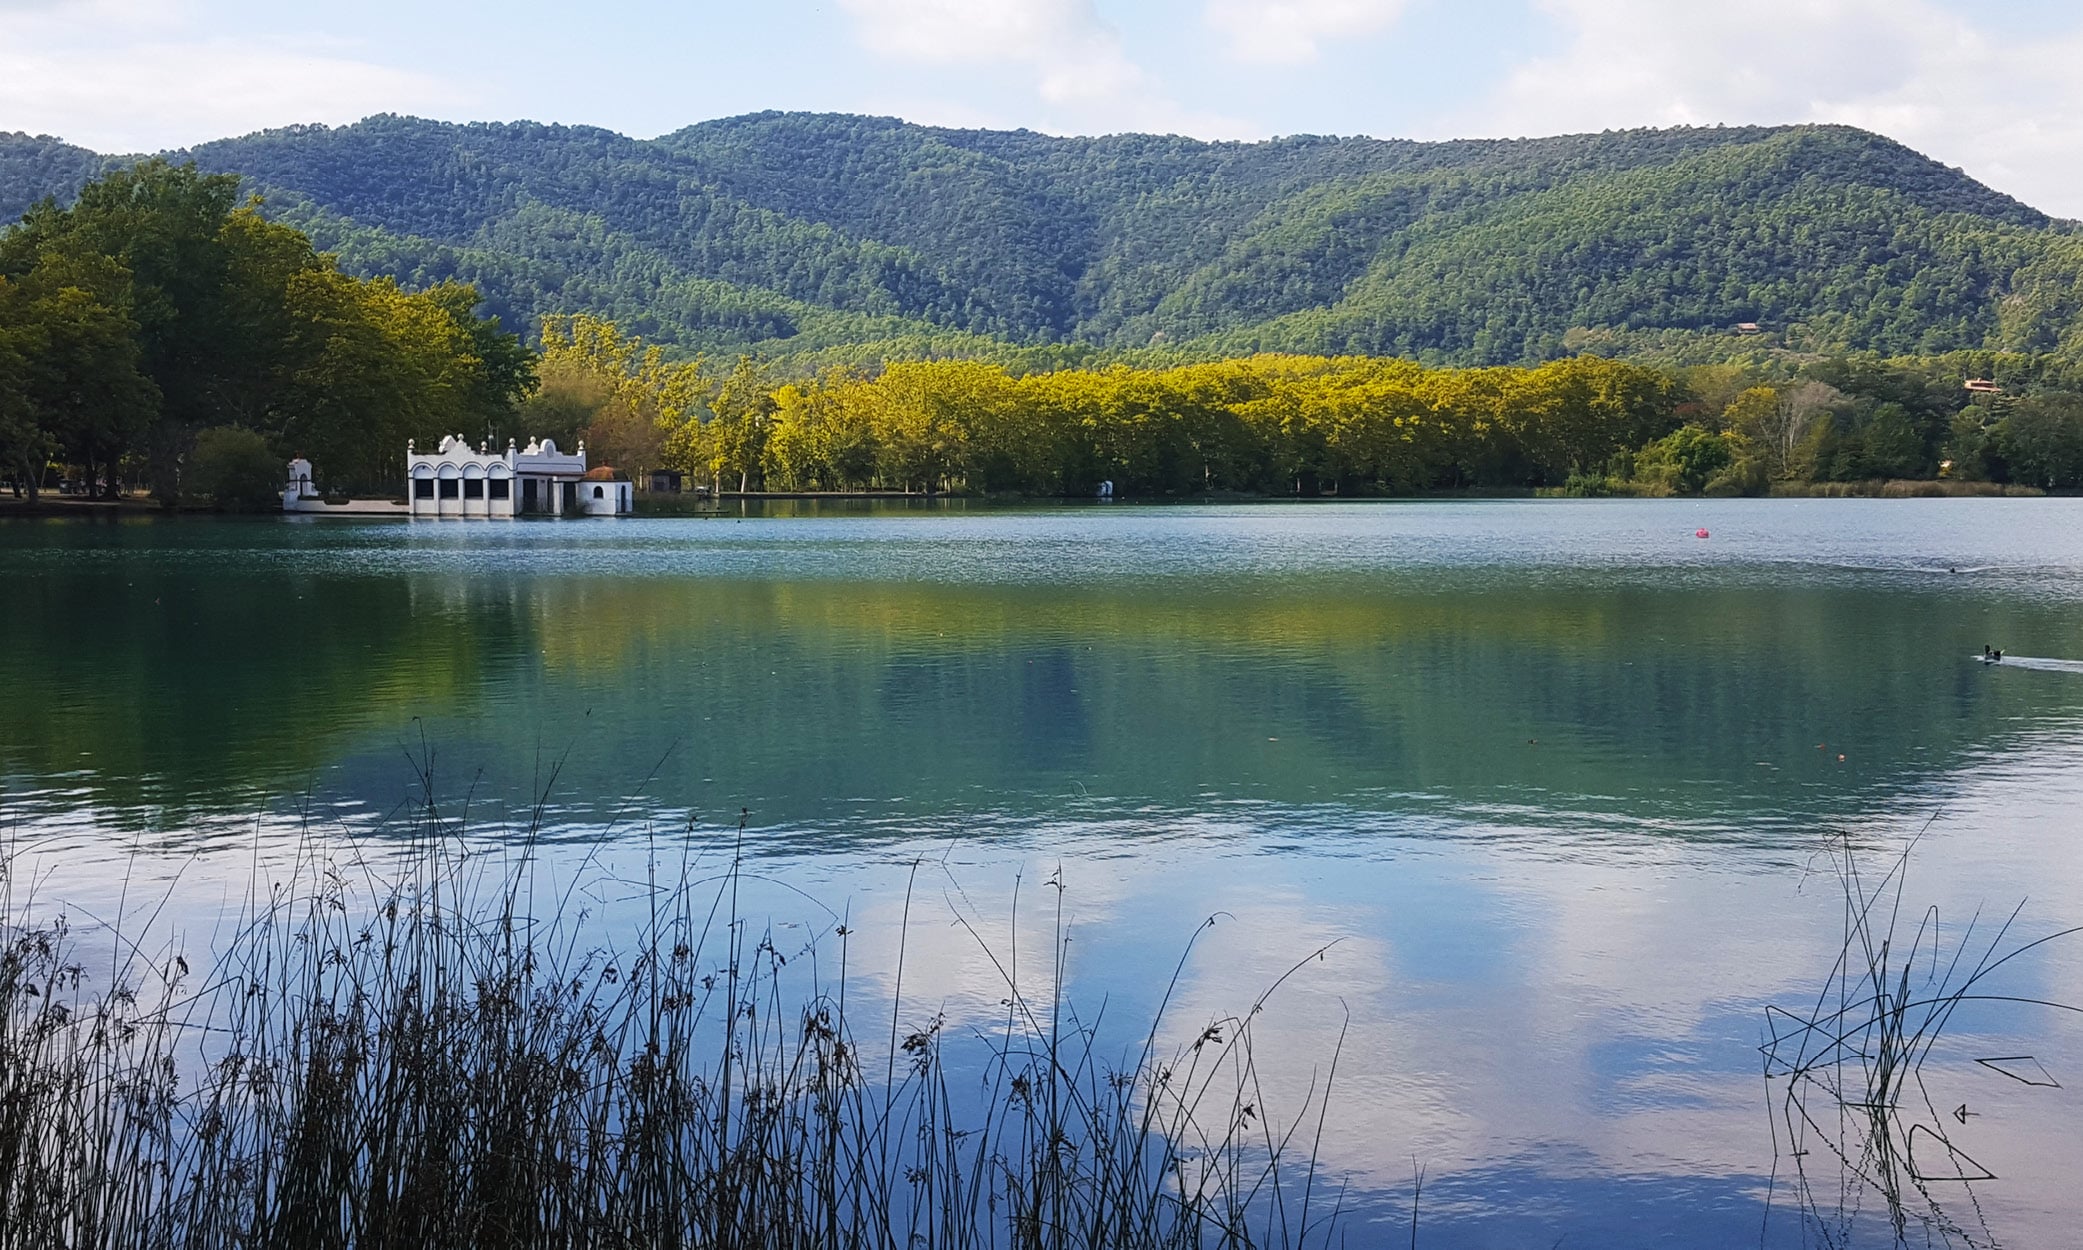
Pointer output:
842, 239
1310, 425
159, 330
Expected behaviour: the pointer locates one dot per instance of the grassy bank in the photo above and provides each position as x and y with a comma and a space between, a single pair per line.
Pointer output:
443, 1053
1875, 488
1897, 488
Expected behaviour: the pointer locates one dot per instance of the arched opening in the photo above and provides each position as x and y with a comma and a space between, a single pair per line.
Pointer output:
600, 492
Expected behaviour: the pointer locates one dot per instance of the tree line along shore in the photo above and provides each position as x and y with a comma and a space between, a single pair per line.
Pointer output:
160, 335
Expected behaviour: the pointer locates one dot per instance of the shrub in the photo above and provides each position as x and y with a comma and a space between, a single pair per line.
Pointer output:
1685, 460
1745, 476
235, 470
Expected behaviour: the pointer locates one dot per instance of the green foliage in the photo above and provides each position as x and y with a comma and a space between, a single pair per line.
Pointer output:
157, 305
1270, 424
70, 382
564, 407
2041, 442
235, 469
1282, 424
1685, 460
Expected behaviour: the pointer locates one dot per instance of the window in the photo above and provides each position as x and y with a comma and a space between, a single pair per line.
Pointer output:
448, 488
473, 488
497, 488
600, 492
423, 488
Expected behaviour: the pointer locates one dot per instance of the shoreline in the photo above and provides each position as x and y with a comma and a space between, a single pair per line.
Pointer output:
691, 506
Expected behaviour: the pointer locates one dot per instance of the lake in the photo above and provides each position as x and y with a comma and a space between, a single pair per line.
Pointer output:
1556, 788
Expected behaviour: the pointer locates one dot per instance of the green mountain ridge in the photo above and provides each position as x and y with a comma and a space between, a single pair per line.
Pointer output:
796, 234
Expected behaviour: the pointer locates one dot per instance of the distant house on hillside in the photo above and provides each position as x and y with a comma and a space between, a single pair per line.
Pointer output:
1749, 327
1983, 386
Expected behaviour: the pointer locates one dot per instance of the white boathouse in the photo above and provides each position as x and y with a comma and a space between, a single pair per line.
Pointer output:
456, 481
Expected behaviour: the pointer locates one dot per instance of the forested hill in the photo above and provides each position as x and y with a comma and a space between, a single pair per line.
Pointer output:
791, 232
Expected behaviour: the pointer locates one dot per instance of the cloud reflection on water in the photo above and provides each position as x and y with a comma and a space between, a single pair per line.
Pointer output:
1555, 794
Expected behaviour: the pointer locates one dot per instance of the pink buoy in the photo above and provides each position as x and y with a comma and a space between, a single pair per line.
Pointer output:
1699, 533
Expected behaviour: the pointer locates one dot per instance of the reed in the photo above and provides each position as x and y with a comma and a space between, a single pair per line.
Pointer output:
1904, 488
1849, 1072
439, 1048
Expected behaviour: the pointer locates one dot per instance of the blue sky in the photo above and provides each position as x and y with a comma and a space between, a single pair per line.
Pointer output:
1993, 87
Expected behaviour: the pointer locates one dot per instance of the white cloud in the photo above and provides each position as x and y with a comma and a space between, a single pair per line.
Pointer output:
123, 76
1071, 59
1290, 32
2011, 113
955, 31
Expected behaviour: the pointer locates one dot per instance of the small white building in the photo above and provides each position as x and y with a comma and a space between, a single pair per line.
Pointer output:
301, 495
606, 492
457, 481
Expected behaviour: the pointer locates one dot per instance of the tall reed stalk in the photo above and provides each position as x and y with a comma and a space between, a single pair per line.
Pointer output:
1850, 1070
446, 1050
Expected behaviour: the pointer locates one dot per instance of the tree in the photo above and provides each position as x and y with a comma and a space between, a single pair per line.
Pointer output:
1572, 416
163, 224
2042, 441
737, 436
1780, 422
1685, 460
565, 403
234, 469
94, 400
1893, 445
25, 443
162, 306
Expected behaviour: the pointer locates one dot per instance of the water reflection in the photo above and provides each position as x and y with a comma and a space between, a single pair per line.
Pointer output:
1698, 710
1545, 785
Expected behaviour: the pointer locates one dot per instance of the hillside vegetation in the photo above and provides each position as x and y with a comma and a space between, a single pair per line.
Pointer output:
859, 238
843, 304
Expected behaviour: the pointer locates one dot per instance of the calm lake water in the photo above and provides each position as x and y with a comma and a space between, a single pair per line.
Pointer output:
1556, 782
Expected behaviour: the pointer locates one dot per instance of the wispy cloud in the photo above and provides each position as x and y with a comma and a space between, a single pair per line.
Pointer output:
126, 76
1069, 57
1291, 32
2011, 113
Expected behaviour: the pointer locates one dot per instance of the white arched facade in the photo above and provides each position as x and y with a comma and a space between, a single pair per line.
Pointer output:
456, 480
